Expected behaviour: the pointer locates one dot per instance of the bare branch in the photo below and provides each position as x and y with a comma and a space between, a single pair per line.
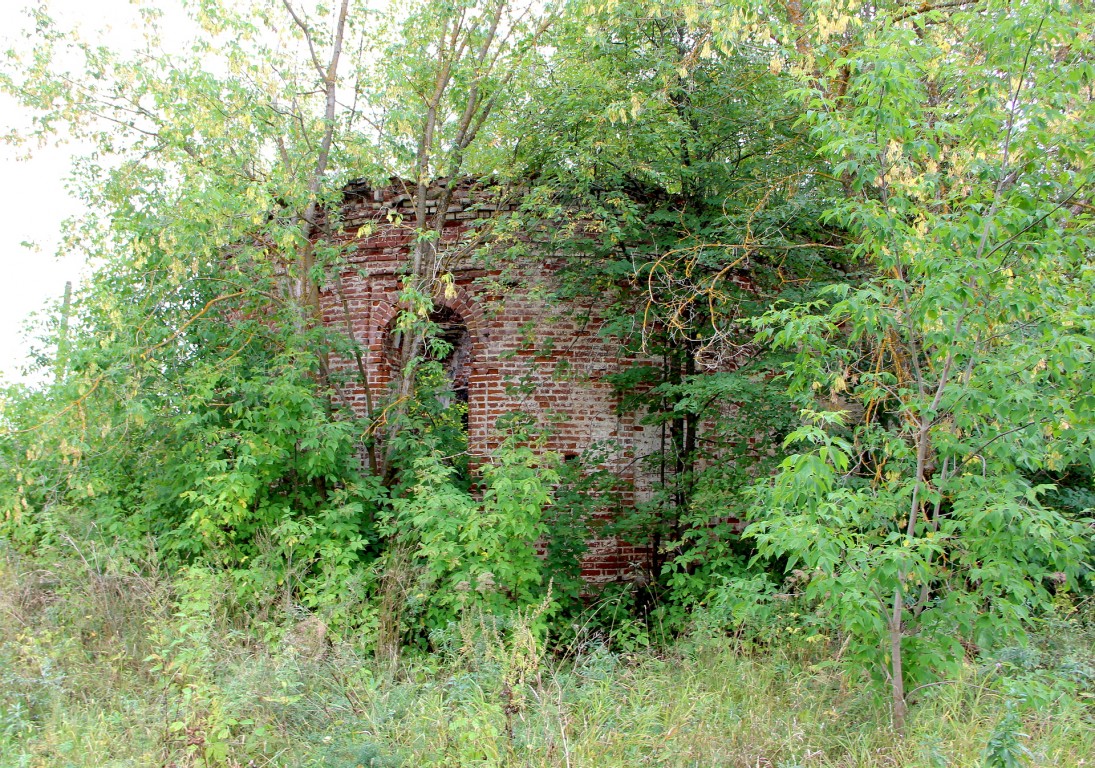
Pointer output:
307, 36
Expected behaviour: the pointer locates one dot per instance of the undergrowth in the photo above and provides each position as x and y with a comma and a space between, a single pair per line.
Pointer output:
103, 666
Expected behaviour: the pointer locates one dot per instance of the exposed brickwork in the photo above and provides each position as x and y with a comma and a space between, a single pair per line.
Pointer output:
508, 368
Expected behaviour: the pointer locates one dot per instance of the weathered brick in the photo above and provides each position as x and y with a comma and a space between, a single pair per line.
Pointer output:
507, 338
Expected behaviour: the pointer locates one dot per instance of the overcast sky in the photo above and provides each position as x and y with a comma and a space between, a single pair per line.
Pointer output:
33, 201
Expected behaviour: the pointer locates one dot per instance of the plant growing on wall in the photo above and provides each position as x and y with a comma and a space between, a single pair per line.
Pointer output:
671, 178
195, 403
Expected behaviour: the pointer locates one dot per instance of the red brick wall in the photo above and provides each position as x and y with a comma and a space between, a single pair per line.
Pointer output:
567, 389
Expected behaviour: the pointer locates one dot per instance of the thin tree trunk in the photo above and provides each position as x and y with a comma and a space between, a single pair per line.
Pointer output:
897, 674
62, 334
306, 291
362, 371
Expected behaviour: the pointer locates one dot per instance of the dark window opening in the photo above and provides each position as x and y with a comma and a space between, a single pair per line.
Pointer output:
448, 343
453, 352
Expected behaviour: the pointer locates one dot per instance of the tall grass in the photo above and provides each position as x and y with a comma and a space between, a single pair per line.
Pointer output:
102, 666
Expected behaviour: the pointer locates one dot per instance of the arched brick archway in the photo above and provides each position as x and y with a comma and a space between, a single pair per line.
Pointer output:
383, 316
462, 304
452, 329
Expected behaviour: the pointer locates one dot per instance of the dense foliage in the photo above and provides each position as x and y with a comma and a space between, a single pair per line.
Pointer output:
849, 248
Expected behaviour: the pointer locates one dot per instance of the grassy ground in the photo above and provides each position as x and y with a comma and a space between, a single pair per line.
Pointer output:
100, 668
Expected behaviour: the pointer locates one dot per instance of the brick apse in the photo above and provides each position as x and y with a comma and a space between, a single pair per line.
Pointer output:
499, 336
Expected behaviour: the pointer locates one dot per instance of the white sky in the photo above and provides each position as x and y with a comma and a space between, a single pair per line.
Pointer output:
33, 201
32, 205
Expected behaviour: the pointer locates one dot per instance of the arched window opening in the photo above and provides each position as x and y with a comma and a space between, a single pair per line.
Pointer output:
453, 352
449, 343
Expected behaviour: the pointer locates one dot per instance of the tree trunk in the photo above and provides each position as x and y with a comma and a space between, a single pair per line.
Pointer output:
897, 674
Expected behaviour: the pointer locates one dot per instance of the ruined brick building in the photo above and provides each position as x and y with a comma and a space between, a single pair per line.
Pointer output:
499, 336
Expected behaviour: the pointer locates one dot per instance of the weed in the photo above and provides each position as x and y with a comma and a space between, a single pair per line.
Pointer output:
100, 667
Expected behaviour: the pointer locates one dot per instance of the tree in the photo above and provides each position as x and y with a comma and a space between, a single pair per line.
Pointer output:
962, 366
213, 211
453, 66
669, 176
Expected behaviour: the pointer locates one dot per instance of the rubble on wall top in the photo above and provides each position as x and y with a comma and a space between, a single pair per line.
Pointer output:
362, 201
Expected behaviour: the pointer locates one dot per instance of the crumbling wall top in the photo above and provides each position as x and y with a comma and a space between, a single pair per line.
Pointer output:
470, 199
